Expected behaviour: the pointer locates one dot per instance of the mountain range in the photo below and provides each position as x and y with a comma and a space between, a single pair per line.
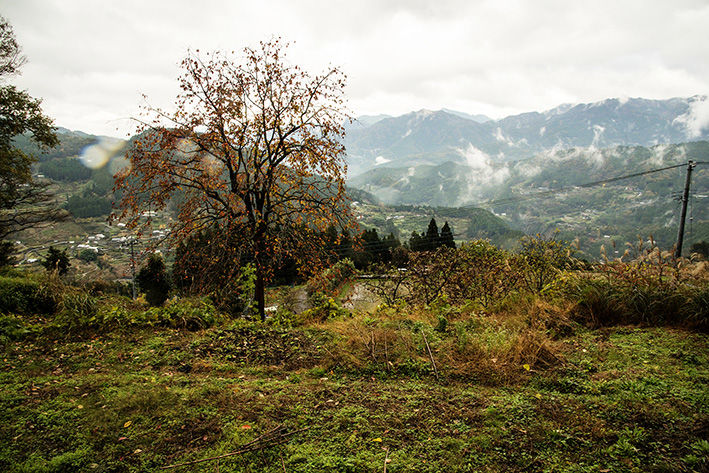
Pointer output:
436, 137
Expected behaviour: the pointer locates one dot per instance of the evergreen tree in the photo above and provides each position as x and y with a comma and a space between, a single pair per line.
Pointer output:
372, 248
701, 248
344, 248
6, 250
329, 240
432, 237
447, 236
57, 260
416, 243
391, 242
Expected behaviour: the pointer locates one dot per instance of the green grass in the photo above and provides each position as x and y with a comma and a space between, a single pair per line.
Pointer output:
619, 399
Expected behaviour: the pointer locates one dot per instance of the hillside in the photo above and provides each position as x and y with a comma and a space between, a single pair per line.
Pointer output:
83, 185
542, 193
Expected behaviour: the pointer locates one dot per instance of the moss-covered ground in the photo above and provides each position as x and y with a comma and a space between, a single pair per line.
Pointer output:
335, 396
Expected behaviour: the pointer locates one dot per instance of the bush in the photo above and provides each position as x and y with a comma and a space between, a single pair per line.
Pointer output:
477, 271
430, 274
189, 314
102, 287
78, 310
333, 278
153, 280
57, 261
324, 308
542, 259
487, 274
651, 289
88, 256
11, 329
21, 295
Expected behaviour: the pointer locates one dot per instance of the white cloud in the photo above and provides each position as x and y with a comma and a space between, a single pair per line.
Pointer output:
90, 60
483, 173
696, 119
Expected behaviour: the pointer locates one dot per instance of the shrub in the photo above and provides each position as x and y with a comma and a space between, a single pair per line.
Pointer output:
542, 259
79, 310
487, 274
431, 273
103, 287
235, 296
324, 308
57, 261
191, 314
11, 329
153, 280
477, 271
88, 256
331, 280
26, 296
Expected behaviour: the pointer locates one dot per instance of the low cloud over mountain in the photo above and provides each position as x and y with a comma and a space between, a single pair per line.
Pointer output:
433, 138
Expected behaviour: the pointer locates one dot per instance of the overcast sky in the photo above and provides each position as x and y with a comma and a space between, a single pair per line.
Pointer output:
91, 60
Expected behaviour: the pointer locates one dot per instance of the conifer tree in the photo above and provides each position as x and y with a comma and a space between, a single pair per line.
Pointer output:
153, 279
57, 260
447, 236
432, 237
416, 243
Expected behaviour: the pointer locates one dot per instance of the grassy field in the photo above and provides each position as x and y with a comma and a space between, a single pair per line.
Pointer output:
393, 390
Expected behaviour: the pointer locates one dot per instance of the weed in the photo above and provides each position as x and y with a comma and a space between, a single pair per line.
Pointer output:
649, 289
324, 308
11, 329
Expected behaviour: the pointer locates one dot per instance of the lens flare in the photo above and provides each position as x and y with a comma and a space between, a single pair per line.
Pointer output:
100, 153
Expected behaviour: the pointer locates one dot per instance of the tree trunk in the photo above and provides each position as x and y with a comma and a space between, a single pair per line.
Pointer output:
260, 293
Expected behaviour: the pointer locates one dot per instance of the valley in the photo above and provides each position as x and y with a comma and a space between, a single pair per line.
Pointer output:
449, 166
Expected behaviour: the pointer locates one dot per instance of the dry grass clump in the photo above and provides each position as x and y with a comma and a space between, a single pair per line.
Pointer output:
442, 341
509, 342
650, 290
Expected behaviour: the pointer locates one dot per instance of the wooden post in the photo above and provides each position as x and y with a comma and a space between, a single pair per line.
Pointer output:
683, 215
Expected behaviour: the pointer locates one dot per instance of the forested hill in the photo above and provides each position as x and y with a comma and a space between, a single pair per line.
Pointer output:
87, 192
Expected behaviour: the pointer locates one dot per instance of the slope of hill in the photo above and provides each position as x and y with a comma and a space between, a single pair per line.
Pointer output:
543, 192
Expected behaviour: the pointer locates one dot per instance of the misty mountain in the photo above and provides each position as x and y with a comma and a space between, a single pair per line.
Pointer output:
475, 118
432, 138
555, 190
422, 137
481, 180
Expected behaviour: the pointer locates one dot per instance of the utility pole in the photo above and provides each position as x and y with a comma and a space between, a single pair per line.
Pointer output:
683, 215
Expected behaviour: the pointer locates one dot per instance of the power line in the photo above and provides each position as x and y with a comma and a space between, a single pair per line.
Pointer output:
552, 192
